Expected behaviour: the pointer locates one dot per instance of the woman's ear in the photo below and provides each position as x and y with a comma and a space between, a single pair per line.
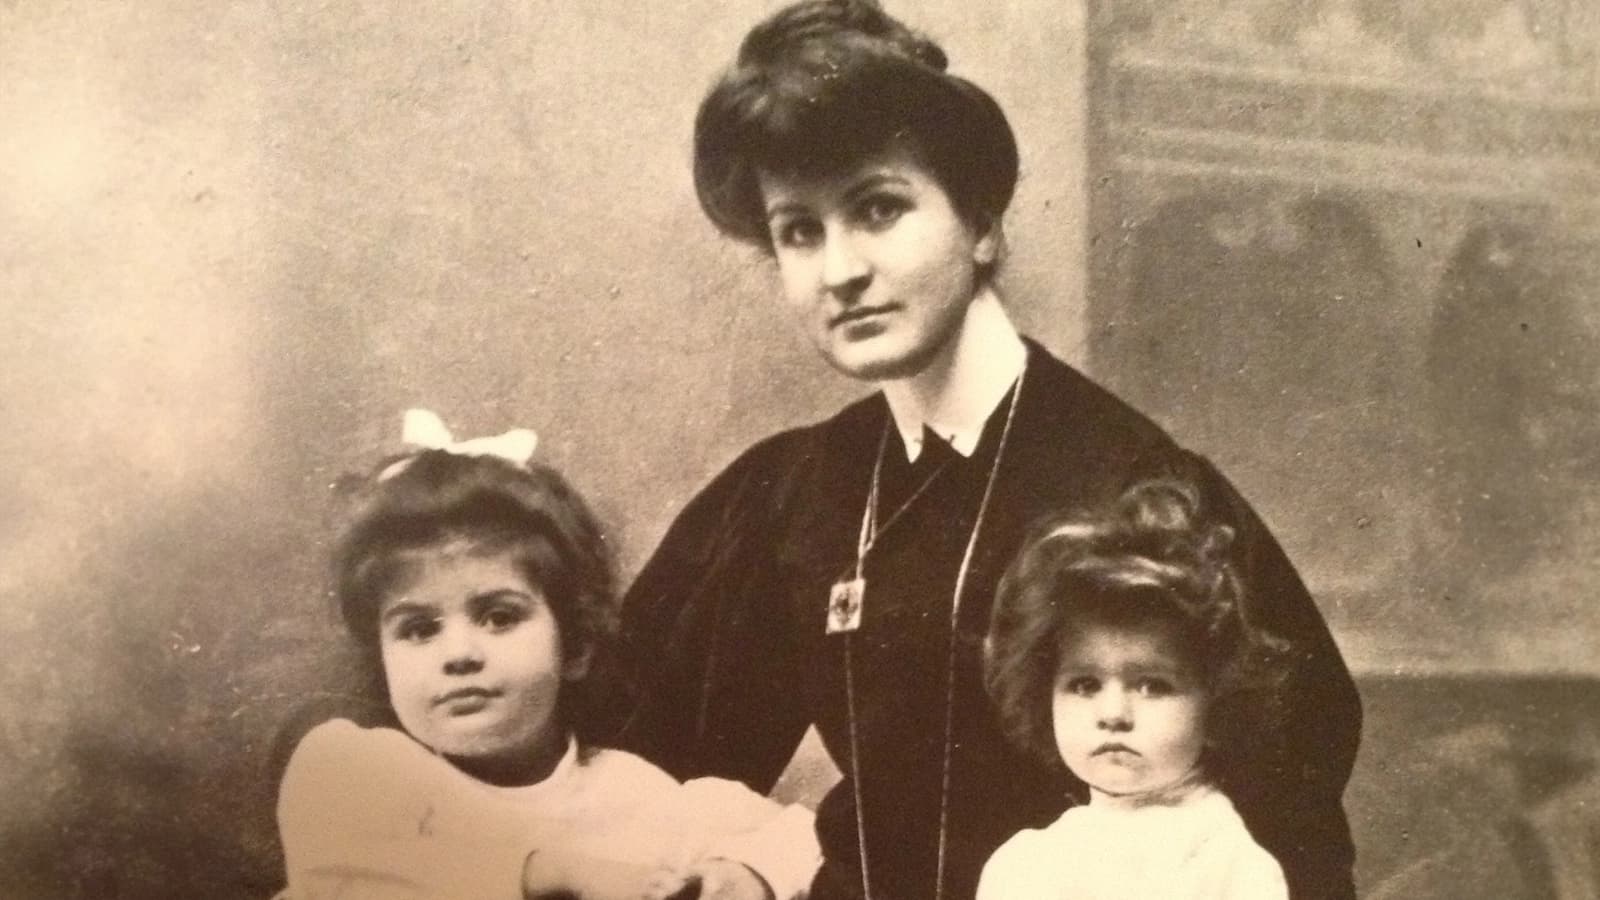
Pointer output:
987, 248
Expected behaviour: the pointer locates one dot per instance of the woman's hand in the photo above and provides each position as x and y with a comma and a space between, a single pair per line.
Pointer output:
565, 874
671, 883
724, 879
710, 879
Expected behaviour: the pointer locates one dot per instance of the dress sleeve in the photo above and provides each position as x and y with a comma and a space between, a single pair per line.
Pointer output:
1256, 876
1291, 801
706, 645
777, 842
1243, 869
1006, 876
354, 826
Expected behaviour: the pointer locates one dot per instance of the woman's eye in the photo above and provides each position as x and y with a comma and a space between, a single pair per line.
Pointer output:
797, 233
880, 210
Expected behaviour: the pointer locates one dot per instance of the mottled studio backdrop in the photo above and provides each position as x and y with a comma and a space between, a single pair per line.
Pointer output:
1348, 252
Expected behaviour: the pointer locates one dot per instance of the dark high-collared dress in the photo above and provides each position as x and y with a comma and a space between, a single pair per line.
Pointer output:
724, 631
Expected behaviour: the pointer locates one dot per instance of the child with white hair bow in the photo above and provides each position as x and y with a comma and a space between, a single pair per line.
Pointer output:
480, 584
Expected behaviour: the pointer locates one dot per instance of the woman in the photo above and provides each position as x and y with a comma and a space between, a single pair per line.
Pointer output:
842, 574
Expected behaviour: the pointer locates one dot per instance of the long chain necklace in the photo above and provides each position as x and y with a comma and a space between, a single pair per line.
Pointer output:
844, 616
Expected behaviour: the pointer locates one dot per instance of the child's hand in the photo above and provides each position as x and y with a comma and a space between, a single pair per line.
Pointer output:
724, 879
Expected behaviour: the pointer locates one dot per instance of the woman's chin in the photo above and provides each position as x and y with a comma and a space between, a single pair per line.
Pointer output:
875, 359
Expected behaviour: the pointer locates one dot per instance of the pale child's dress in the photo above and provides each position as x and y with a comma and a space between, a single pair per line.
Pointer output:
1195, 849
371, 813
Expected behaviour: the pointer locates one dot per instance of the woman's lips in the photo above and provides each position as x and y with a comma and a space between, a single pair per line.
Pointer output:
860, 313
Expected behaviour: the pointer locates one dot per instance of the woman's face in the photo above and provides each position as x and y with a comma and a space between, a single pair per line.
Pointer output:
875, 263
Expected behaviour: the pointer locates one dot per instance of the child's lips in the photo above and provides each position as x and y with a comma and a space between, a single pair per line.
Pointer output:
467, 698
1114, 748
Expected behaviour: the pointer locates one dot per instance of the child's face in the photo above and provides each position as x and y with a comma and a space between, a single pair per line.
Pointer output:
1129, 709
472, 656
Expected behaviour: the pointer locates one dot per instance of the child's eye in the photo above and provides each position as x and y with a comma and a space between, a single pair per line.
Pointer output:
1154, 687
882, 210
416, 629
797, 233
1081, 685
503, 618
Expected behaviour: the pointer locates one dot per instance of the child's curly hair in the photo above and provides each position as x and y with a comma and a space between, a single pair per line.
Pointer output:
435, 499
1154, 555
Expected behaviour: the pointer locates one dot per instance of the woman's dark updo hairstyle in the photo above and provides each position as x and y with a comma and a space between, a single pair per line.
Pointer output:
436, 500
1155, 555
824, 84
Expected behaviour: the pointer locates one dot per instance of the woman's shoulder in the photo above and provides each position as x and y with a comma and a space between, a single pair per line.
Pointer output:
1090, 409
862, 418
766, 472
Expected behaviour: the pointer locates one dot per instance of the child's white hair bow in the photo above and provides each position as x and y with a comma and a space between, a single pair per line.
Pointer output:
423, 428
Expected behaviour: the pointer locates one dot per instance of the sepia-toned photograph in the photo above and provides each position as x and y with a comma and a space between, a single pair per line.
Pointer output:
778, 449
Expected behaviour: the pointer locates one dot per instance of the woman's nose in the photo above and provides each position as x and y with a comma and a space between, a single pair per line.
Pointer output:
844, 267
462, 653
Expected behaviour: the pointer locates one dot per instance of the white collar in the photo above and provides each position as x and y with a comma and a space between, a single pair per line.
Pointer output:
986, 361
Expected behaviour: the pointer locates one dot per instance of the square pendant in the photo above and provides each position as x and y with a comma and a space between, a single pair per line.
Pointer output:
844, 605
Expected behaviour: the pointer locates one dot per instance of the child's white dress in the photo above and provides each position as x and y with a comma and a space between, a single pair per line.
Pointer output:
370, 813
1196, 849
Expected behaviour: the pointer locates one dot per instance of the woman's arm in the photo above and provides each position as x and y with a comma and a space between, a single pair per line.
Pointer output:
705, 636
1294, 805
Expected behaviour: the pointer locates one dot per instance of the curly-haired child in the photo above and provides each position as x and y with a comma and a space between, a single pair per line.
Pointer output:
1119, 649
